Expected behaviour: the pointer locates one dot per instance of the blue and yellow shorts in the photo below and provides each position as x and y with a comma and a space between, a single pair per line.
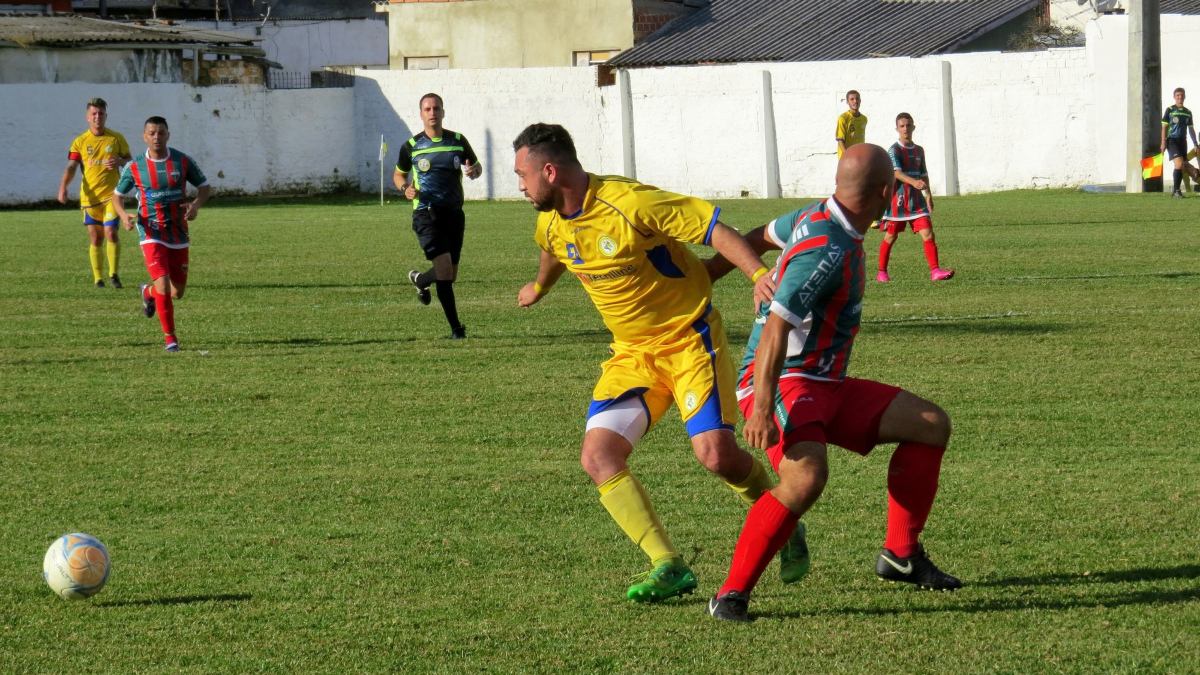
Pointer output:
639, 383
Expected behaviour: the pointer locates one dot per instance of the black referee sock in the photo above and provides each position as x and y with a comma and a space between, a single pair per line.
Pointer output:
425, 279
445, 293
1178, 176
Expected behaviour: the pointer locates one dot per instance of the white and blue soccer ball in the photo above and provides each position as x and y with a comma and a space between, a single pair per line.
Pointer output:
76, 566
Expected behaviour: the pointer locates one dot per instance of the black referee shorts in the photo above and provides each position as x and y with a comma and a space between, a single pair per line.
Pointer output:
1177, 147
439, 230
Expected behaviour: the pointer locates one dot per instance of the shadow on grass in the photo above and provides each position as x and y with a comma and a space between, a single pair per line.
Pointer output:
180, 600
1015, 604
290, 285
1023, 601
1113, 576
320, 342
1131, 275
965, 327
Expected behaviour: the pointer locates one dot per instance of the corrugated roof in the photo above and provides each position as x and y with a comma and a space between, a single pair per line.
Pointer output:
60, 31
1179, 7
731, 31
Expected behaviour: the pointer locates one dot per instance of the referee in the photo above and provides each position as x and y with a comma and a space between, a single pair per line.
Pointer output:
429, 172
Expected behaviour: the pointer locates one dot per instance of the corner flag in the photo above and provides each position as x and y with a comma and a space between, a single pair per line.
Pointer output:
1152, 167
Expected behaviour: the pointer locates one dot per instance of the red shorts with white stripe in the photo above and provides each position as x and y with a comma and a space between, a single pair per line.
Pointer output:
896, 226
845, 413
162, 261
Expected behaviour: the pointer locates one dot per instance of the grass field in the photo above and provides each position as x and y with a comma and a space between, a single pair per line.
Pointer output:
322, 481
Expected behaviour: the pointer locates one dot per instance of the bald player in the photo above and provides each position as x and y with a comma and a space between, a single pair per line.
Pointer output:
796, 397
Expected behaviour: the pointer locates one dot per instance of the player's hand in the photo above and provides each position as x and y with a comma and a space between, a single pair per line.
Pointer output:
760, 431
929, 202
127, 221
192, 211
528, 295
411, 192
920, 184
62, 195
473, 170
110, 163
764, 290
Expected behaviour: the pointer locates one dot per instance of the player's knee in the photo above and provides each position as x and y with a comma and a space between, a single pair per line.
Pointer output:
802, 482
718, 452
936, 423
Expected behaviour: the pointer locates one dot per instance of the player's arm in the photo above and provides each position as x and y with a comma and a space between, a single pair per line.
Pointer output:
471, 165
549, 270
402, 176
760, 429
202, 194
927, 190
718, 266
118, 204
67, 177
734, 248
1163, 144
917, 183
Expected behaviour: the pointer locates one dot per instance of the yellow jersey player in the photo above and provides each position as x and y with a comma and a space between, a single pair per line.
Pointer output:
625, 242
851, 125
102, 153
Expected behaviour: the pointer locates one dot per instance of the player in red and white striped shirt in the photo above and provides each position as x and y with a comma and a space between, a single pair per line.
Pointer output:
912, 203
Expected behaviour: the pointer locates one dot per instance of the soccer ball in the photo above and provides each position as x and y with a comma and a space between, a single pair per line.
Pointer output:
75, 566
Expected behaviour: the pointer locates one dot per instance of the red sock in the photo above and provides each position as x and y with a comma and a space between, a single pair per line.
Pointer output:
768, 526
912, 483
166, 312
885, 252
931, 256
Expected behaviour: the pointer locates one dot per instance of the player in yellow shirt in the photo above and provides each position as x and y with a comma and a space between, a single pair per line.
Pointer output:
102, 153
851, 125
625, 242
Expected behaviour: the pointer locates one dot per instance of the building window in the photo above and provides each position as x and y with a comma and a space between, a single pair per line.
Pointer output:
594, 58
427, 63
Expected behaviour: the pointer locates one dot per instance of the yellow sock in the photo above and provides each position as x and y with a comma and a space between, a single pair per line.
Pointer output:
114, 257
753, 485
96, 256
629, 504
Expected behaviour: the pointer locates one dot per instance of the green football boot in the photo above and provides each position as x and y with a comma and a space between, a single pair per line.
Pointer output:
793, 557
666, 580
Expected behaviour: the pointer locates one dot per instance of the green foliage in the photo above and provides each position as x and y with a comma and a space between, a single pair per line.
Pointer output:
322, 481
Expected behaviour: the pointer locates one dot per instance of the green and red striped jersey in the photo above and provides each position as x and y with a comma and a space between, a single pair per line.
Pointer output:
819, 288
162, 195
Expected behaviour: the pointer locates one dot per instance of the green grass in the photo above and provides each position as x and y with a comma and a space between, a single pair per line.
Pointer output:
322, 481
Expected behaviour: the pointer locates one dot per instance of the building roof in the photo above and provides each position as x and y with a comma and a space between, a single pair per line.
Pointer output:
74, 31
1179, 7
731, 31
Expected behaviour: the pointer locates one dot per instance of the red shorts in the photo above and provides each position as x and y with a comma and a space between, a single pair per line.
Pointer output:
845, 413
897, 226
162, 261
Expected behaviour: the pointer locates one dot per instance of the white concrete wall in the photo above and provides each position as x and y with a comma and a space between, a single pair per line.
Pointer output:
246, 140
490, 107
311, 45
1107, 49
1039, 119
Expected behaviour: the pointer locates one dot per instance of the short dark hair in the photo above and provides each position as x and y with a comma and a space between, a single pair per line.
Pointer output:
97, 102
431, 95
1179, 90
156, 120
853, 91
551, 141
905, 116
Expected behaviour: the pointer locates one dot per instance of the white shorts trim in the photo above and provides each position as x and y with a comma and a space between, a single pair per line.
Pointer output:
627, 417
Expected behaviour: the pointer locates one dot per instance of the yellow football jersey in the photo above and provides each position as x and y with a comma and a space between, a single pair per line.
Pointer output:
625, 246
98, 182
851, 129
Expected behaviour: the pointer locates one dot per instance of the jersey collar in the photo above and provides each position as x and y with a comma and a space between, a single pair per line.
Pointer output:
835, 212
